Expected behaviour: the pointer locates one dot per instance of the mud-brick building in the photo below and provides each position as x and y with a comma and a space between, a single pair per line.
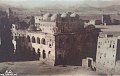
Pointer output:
108, 53
55, 38
90, 46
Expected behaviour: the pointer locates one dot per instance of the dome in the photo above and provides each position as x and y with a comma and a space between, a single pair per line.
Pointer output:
46, 16
73, 15
38, 29
32, 28
54, 17
64, 15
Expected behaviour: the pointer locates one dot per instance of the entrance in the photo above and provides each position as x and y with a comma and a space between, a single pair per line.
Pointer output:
89, 63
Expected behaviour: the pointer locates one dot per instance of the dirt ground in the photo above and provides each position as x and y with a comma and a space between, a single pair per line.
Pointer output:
37, 68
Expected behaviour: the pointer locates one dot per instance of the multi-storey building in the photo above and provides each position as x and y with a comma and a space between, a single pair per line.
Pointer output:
108, 53
52, 38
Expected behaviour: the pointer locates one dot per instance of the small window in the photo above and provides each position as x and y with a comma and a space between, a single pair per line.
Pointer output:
50, 45
110, 45
113, 46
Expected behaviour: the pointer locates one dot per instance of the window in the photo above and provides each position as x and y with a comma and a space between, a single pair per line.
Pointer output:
113, 46
38, 40
28, 38
110, 45
49, 52
43, 41
33, 39
50, 45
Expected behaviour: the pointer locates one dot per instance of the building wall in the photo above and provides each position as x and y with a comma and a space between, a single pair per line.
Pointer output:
57, 23
106, 54
48, 45
67, 49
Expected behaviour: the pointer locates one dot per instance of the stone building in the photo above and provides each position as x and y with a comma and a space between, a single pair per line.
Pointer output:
50, 38
90, 46
108, 54
106, 19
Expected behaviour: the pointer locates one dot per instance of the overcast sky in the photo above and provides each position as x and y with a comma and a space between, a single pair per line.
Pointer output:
42, 3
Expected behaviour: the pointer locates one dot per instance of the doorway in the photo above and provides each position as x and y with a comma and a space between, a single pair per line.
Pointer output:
89, 63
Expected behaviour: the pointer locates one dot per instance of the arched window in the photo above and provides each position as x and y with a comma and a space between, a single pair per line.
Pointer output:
43, 41
38, 40
44, 54
38, 52
33, 39
28, 38
33, 49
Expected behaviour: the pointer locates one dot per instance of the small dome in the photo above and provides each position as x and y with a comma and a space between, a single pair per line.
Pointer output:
38, 29
54, 17
64, 15
46, 16
73, 15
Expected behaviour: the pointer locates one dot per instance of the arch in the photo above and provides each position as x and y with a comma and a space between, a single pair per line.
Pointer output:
43, 41
33, 49
38, 40
44, 54
33, 39
28, 38
49, 52
39, 53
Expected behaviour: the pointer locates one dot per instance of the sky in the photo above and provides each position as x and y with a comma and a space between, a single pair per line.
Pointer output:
43, 3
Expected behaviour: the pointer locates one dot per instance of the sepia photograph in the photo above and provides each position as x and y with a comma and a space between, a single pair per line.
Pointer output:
59, 37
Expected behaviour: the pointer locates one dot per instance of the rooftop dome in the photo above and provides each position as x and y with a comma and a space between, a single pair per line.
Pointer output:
53, 18
64, 15
46, 16
73, 15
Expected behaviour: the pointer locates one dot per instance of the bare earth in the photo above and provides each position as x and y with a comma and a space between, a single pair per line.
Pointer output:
37, 68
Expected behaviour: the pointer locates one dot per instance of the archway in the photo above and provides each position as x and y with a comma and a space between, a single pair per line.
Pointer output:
38, 40
28, 38
43, 41
44, 54
33, 39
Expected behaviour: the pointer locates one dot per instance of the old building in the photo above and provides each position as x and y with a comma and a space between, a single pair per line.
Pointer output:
90, 46
107, 56
50, 38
